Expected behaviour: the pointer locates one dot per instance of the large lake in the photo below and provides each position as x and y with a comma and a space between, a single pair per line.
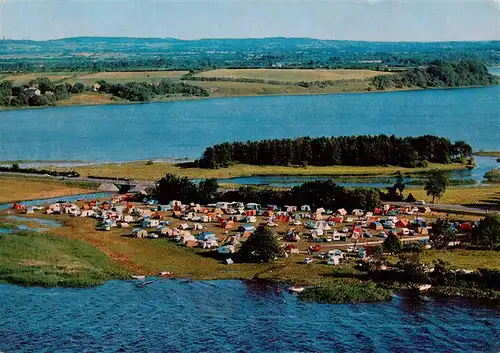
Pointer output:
184, 129
233, 316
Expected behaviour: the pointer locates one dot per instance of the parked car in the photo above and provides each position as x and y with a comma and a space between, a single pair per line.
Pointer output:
382, 235
420, 202
308, 260
367, 235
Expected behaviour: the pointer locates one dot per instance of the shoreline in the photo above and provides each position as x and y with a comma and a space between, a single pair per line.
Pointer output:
131, 256
193, 98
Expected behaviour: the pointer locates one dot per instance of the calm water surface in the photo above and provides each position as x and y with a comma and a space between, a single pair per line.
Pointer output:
184, 129
232, 316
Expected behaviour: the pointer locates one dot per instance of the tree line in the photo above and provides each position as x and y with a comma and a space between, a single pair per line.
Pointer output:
39, 92
15, 168
319, 193
439, 74
317, 83
44, 92
145, 91
362, 150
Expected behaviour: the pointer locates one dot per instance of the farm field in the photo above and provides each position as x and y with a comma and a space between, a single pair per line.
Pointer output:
127, 76
293, 75
91, 78
233, 89
26, 78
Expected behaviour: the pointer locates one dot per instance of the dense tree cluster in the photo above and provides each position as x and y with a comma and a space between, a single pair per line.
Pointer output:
317, 194
438, 74
345, 150
144, 91
39, 92
487, 233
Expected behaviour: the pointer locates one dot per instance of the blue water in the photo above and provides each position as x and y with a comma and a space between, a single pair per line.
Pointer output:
233, 316
184, 129
484, 164
46, 223
72, 198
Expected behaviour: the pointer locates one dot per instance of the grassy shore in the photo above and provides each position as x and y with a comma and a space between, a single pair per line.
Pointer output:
78, 254
488, 153
44, 260
19, 188
345, 81
141, 171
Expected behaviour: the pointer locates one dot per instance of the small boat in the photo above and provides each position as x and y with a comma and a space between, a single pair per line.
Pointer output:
294, 289
142, 285
424, 287
139, 277
166, 273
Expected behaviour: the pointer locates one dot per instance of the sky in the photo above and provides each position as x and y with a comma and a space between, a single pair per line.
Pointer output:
370, 20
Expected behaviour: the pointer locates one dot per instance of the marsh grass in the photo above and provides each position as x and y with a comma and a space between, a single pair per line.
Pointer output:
28, 258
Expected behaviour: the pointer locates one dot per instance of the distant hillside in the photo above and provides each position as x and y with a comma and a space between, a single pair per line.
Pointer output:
103, 53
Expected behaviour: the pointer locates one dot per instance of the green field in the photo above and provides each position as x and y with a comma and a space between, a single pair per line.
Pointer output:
141, 171
467, 196
45, 260
91, 78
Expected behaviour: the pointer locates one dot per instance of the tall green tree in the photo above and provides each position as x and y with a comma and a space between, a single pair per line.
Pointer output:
400, 183
487, 233
442, 234
392, 244
262, 245
436, 184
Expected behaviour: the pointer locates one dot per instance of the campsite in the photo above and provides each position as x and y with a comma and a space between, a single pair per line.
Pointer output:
202, 241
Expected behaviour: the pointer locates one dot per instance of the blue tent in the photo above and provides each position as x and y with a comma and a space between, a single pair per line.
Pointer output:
206, 236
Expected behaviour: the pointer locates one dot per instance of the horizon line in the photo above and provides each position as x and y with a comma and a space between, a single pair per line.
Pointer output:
249, 38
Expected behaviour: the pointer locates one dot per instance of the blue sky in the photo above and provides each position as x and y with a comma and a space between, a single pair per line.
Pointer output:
384, 20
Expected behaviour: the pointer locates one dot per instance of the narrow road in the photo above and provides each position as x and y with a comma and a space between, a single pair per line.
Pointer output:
450, 208
147, 183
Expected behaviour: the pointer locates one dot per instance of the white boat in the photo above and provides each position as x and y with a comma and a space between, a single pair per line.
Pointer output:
296, 289
138, 277
424, 287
